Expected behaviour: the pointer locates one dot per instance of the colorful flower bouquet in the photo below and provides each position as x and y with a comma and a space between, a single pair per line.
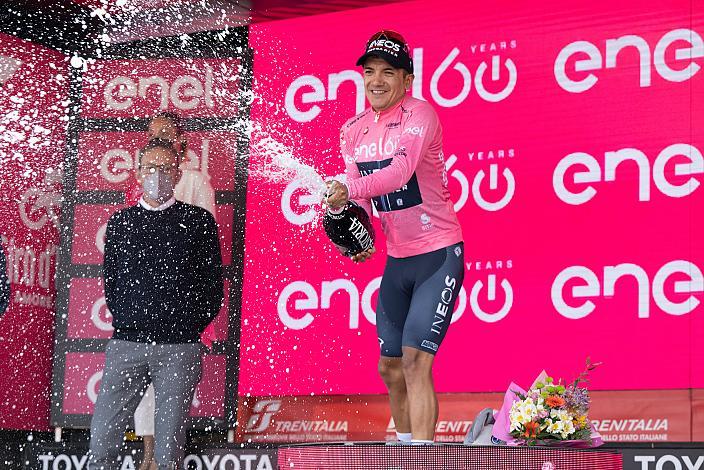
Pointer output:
548, 414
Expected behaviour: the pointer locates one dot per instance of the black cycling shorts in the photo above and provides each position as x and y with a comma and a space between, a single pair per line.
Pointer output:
416, 299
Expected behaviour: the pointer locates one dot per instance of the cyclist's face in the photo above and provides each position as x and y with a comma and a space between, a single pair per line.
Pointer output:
163, 128
384, 85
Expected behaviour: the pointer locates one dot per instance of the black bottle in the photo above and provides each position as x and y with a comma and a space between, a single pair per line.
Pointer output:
350, 228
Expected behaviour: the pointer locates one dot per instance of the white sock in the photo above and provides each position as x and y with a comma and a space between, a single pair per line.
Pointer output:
403, 436
420, 442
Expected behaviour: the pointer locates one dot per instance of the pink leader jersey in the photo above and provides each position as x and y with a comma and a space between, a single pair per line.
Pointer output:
395, 159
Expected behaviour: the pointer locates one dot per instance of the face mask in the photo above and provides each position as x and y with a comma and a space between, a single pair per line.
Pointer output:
159, 186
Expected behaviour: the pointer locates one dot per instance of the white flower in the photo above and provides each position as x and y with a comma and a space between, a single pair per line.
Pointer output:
567, 429
561, 415
554, 427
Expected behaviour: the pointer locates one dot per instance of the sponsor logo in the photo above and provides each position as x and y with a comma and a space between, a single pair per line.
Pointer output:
116, 165
98, 311
225, 461
630, 425
655, 459
298, 205
595, 61
301, 316
185, 93
591, 286
416, 131
27, 267
229, 462
429, 344
311, 90
262, 414
38, 206
443, 306
377, 149
503, 201
593, 172
445, 430
8, 67
70, 462
424, 219
458, 251
361, 234
385, 45
311, 426
491, 283
93, 386
393, 125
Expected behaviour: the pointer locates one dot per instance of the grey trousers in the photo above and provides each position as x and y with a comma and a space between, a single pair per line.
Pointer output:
174, 369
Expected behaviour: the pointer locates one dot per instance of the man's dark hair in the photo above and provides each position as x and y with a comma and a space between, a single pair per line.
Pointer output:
176, 121
173, 117
159, 144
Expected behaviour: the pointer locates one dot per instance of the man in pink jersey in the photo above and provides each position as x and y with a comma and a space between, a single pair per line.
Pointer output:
394, 160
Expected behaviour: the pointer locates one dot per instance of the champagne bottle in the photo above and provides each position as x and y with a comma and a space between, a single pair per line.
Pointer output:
349, 227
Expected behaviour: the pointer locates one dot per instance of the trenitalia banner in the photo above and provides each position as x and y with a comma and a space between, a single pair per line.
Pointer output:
573, 139
33, 96
117, 98
619, 416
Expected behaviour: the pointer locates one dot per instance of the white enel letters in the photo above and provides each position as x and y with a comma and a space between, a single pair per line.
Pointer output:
591, 287
312, 301
595, 61
590, 172
315, 93
185, 92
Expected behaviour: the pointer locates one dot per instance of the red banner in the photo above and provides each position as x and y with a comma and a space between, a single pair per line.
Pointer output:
631, 416
33, 100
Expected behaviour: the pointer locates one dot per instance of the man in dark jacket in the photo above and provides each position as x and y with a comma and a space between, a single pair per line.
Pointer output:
163, 286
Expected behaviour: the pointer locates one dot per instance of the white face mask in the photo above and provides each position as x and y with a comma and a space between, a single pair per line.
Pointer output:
159, 186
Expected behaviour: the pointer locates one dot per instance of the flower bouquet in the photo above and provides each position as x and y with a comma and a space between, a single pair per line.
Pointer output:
548, 414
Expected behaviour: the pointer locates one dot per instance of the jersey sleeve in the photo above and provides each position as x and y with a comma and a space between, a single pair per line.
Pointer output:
417, 135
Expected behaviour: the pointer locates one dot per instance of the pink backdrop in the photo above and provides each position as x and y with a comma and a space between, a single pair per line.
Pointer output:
573, 139
33, 93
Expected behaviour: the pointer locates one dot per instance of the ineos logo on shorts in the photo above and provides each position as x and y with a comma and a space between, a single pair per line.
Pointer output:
596, 62
262, 413
442, 309
8, 67
185, 92
313, 90
590, 286
593, 172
